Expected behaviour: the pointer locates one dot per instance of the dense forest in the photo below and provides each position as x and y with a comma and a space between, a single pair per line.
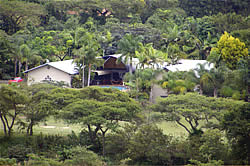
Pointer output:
122, 128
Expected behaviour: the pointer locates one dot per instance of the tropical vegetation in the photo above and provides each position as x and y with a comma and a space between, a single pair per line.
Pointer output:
123, 128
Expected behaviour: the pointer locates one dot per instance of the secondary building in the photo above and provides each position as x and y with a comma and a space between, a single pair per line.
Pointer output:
61, 71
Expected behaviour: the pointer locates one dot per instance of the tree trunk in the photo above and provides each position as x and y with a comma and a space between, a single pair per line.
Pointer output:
93, 135
103, 144
19, 68
89, 74
4, 125
137, 89
201, 90
26, 65
30, 129
103, 141
130, 69
15, 69
215, 92
178, 122
83, 76
10, 126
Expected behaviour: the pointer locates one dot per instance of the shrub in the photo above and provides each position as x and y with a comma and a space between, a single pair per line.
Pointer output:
35, 160
81, 156
226, 91
19, 152
236, 95
7, 161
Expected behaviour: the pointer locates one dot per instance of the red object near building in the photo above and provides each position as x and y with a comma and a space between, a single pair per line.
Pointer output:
16, 79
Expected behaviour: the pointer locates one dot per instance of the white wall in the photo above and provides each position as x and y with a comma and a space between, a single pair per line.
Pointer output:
38, 75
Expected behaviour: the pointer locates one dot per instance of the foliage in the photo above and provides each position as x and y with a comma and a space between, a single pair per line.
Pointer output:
213, 146
149, 146
178, 82
141, 83
154, 31
35, 160
100, 110
128, 46
193, 108
82, 156
12, 102
5, 56
203, 7
229, 50
229, 22
39, 106
211, 163
7, 161
19, 152
16, 13
236, 124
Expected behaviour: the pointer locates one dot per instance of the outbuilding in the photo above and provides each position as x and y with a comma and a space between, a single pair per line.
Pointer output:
60, 71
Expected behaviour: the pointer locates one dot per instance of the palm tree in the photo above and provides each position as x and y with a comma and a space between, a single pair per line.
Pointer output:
207, 45
25, 53
127, 46
198, 76
79, 50
143, 56
157, 57
215, 77
80, 55
93, 49
174, 53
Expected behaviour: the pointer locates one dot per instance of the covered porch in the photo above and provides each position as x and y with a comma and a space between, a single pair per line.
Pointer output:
111, 73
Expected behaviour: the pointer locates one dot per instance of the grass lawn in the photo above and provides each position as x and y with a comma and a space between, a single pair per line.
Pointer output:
171, 128
53, 126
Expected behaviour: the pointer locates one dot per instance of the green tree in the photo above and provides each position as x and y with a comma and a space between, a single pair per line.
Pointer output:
100, 110
12, 104
29, 55
150, 57
79, 51
213, 146
190, 109
196, 77
39, 105
150, 146
93, 50
229, 22
214, 77
127, 46
179, 82
16, 13
229, 50
6, 53
236, 124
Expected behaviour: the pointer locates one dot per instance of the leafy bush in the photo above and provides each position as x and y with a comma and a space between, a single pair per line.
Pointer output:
149, 146
210, 163
226, 91
19, 152
35, 160
7, 161
236, 95
81, 156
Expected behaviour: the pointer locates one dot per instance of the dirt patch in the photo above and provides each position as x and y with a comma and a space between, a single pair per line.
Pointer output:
48, 127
